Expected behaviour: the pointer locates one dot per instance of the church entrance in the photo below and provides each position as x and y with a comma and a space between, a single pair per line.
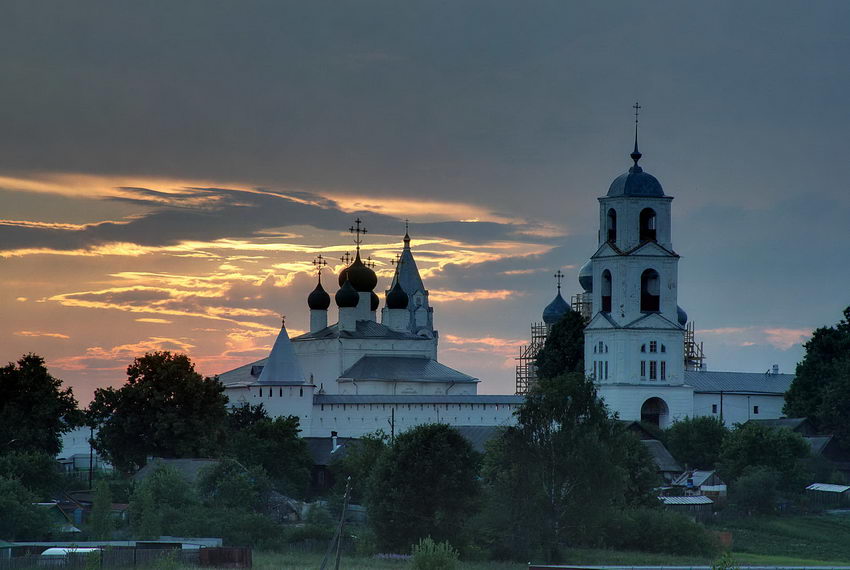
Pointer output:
654, 411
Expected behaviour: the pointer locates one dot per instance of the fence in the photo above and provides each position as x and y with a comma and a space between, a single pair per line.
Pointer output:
119, 558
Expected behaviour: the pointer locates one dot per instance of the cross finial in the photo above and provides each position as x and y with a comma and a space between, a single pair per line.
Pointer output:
357, 231
319, 263
346, 258
397, 260
636, 153
283, 320
369, 263
558, 277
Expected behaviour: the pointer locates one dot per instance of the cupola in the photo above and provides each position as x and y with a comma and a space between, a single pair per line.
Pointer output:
397, 298
318, 299
347, 296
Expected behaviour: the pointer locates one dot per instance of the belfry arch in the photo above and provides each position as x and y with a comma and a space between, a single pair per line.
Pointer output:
648, 222
655, 411
650, 291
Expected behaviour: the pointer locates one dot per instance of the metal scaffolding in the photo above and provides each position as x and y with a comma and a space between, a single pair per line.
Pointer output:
582, 303
694, 353
526, 371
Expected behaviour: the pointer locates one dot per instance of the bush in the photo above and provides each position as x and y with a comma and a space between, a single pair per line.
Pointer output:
430, 555
657, 530
756, 491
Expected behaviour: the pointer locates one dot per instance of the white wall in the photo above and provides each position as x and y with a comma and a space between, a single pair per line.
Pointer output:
738, 408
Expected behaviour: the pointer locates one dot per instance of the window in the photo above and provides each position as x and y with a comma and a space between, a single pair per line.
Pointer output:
647, 225
713, 408
755, 409
281, 393
643, 348
653, 346
606, 370
600, 346
663, 370
594, 369
653, 370
650, 291
301, 392
612, 225
663, 348
606, 291
643, 368
594, 349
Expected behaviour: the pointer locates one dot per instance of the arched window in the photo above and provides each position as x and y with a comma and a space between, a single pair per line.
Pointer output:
650, 291
612, 225
606, 291
647, 224
655, 411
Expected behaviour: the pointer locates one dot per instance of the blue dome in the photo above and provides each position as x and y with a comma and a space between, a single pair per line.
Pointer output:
585, 277
555, 310
681, 315
636, 182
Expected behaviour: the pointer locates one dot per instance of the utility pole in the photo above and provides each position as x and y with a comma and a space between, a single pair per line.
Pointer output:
337, 539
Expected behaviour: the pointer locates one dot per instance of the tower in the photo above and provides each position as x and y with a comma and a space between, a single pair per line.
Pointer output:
421, 314
634, 340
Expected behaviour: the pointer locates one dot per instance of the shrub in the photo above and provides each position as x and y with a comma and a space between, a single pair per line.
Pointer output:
657, 530
757, 491
430, 555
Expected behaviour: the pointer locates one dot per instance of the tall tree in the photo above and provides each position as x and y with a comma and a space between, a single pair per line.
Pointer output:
20, 519
564, 348
821, 377
425, 484
100, 521
37, 471
358, 462
273, 444
165, 409
753, 446
696, 442
554, 475
34, 408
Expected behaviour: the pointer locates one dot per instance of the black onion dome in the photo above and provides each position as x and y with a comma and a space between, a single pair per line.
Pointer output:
343, 275
681, 315
375, 302
361, 277
585, 277
555, 310
397, 298
347, 296
319, 300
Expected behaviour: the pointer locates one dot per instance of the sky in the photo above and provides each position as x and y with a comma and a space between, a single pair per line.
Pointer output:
168, 170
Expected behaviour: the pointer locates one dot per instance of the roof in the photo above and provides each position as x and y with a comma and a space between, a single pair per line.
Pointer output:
662, 458
827, 488
556, 309
636, 182
740, 382
188, 468
689, 500
794, 424
478, 436
403, 368
364, 329
818, 443
322, 451
407, 273
417, 399
282, 365
699, 477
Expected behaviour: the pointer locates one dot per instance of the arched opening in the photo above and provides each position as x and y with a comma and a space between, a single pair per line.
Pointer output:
647, 224
650, 291
612, 225
606, 291
655, 411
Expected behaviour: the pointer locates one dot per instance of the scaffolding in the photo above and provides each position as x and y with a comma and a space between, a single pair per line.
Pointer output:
582, 303
526, 370
694, 353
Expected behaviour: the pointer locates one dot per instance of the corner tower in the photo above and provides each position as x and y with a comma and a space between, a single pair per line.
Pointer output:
634, 342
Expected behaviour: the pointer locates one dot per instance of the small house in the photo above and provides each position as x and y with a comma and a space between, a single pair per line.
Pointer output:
697, 507
698, 482
829, 496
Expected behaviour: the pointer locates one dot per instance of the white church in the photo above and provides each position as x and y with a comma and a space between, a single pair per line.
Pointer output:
359, 375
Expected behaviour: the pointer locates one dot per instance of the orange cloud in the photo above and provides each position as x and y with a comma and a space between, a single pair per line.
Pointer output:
155, 321
786, 338
44, 334
448, 296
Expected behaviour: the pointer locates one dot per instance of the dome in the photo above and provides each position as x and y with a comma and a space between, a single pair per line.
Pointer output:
374, 302
343, 275
555, 310
681, 315
361, 277
636, 182
585, 277
397, 298
347, 296
319, 300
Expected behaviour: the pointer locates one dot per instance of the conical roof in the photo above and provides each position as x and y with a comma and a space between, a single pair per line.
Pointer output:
407, 274
282, 364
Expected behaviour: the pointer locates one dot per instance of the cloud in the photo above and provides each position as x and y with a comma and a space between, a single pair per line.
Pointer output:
445, 296
43, 334
119, 356
154, 321
781, 338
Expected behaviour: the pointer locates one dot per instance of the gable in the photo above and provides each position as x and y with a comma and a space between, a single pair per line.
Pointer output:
601, 321
607, 249
650, 249
652, 321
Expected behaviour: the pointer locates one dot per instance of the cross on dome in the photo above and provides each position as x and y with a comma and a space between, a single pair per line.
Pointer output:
558, 276
636, 153
357, 231
319, 263
346, 258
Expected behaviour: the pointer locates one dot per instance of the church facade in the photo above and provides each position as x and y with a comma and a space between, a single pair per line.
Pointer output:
359, 374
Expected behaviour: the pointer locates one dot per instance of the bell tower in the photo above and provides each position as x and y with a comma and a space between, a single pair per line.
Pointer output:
634, 340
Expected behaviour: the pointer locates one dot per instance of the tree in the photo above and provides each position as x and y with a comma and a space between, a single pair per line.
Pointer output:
165, 409
751, 446
37, 471
100, 521
425, 484
696, 442
553, 477
564, 348
229, 484
161, 503
359, 460
34, 409
757, 490
20, 519
274, 445
822, 377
